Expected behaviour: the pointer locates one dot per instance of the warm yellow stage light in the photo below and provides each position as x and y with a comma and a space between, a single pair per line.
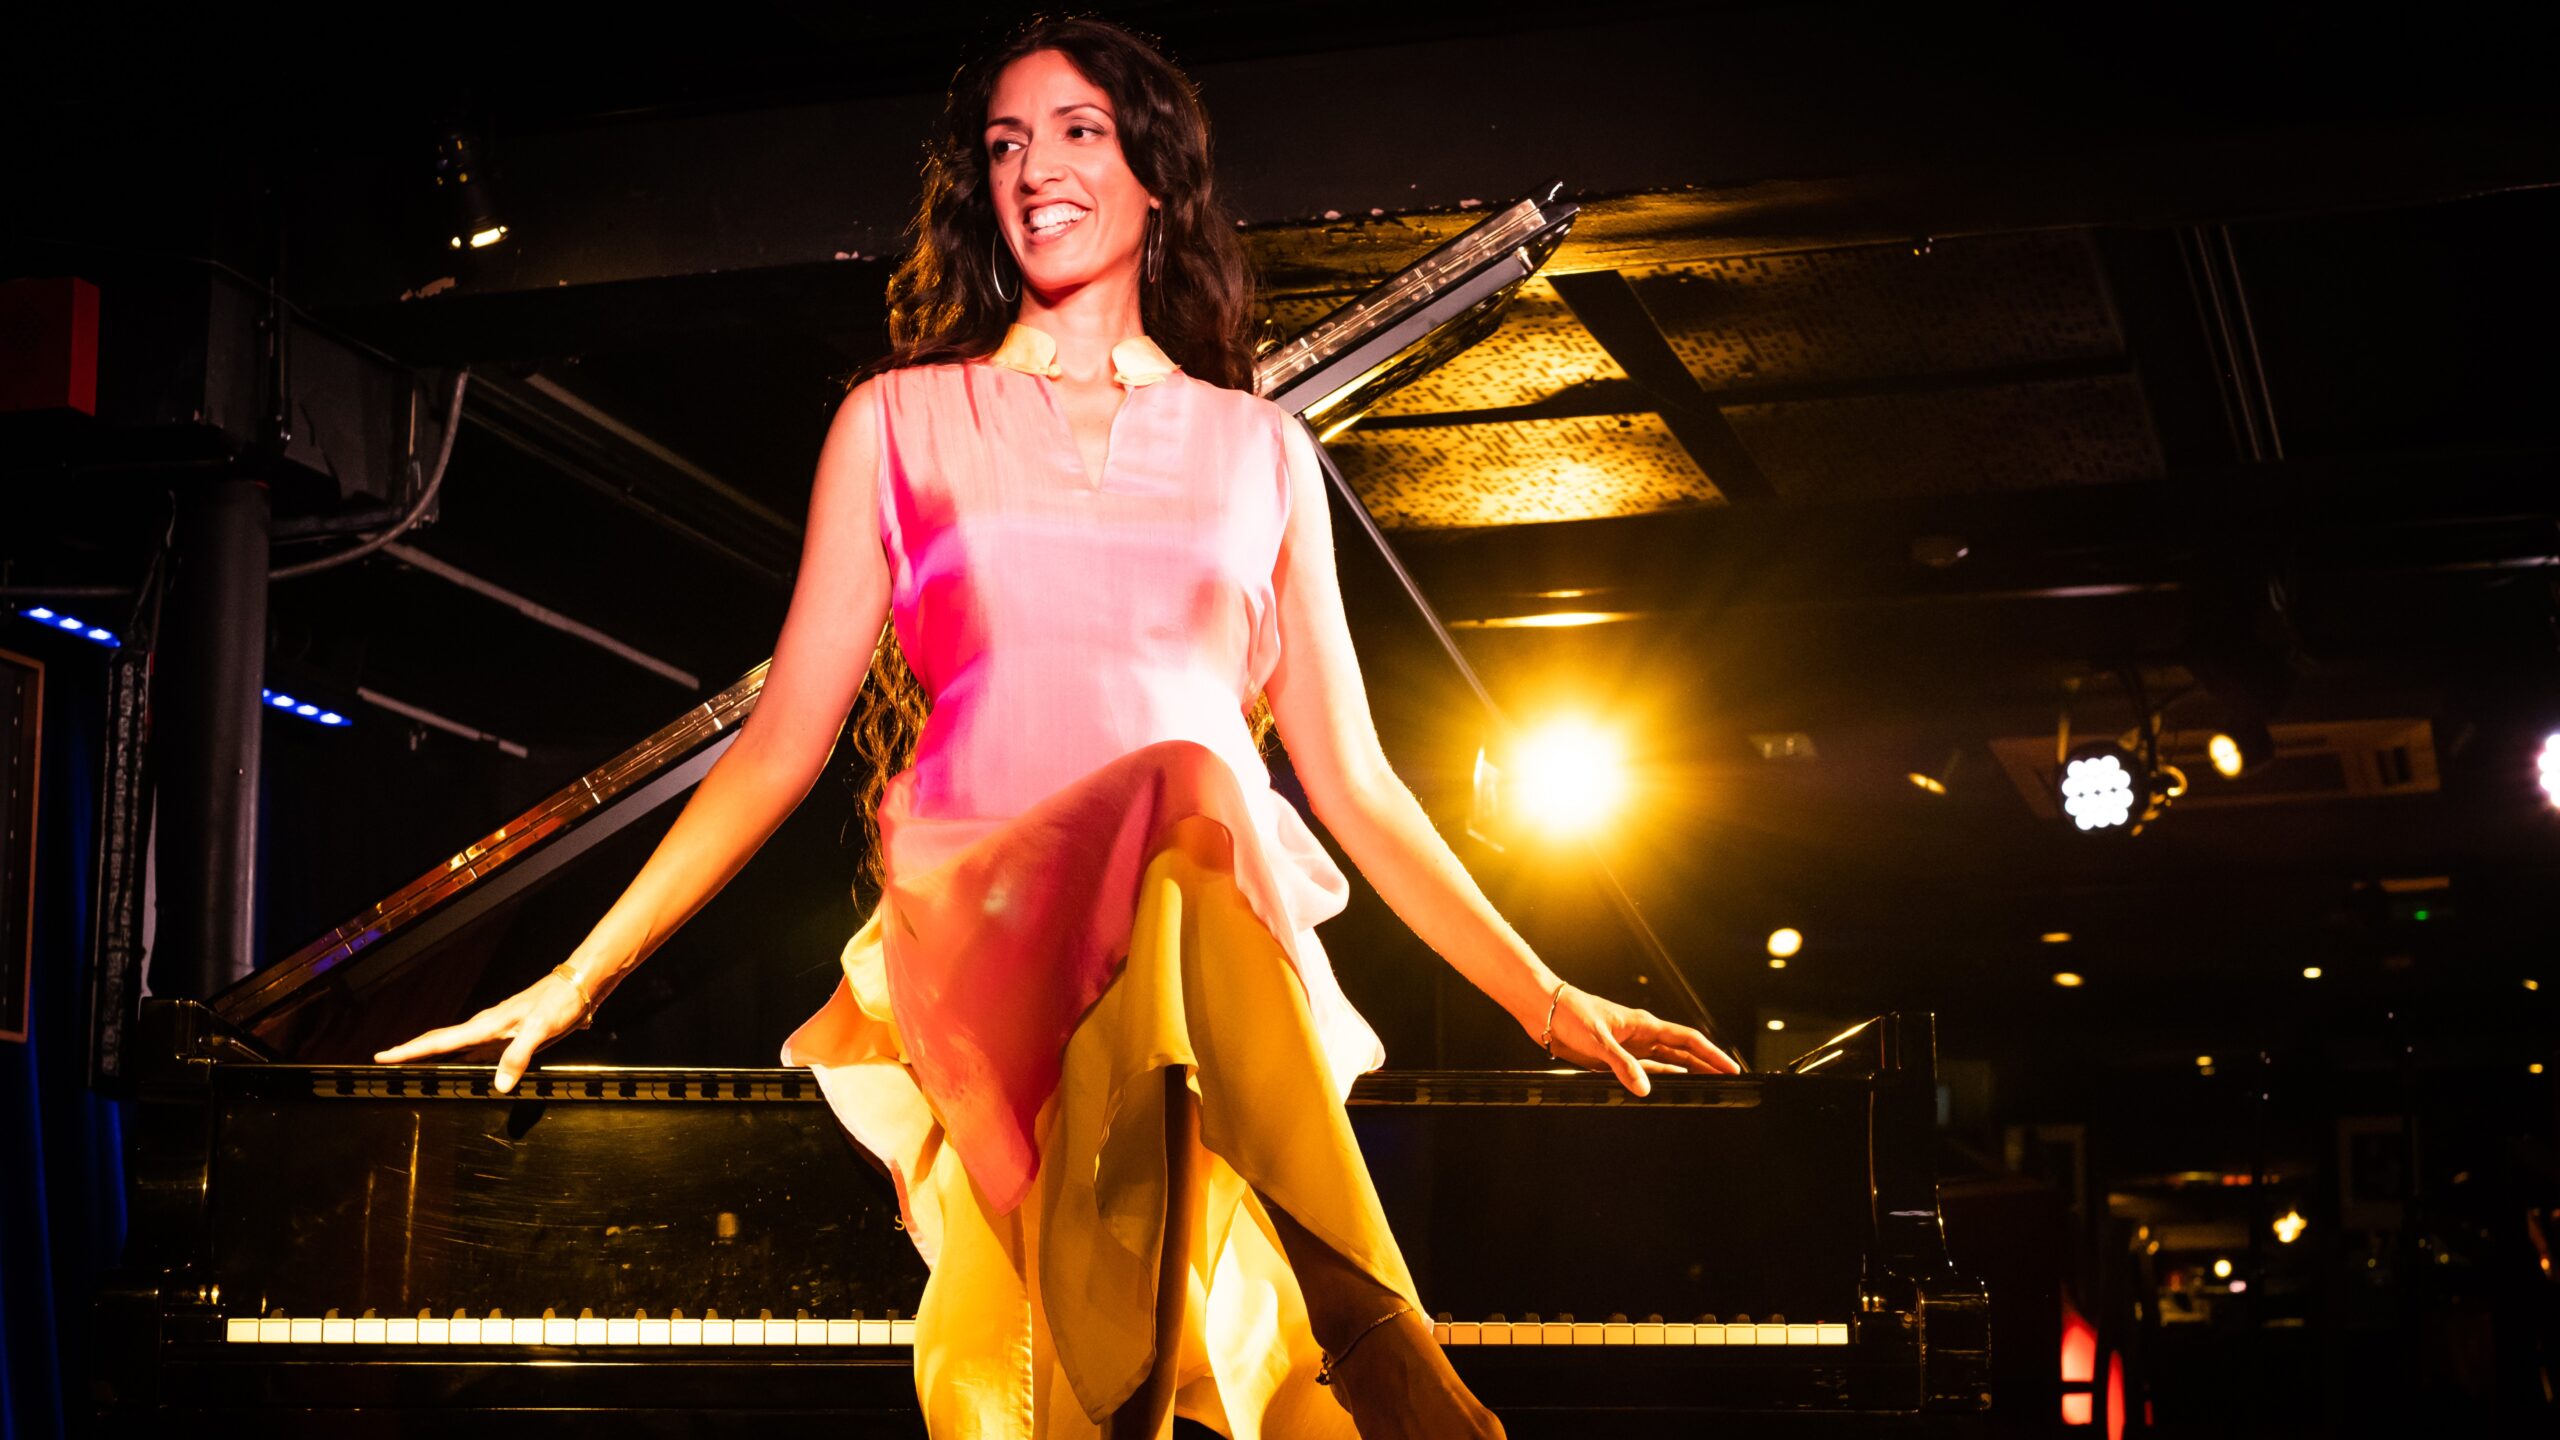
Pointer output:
1777, 964
1930, 783
2068, 980
2204, 1062
1777, 1024
2056, 937
1570, 776
2533, 984
1785, 942
2221, 1269
2310, 972
2225, 754
2534, 1069
2289, 1226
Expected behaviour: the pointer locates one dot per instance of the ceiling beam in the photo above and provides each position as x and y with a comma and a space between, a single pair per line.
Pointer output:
1608, 307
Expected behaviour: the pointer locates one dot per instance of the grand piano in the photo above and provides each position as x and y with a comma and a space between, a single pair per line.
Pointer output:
319, 1246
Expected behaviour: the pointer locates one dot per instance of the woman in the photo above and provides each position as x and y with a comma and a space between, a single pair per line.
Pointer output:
1089, 1029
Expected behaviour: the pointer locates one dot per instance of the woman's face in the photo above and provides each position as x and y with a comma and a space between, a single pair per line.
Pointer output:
1065, 200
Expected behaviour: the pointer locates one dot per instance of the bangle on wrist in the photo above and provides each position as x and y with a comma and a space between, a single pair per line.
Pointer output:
586, 1003
1547, 1034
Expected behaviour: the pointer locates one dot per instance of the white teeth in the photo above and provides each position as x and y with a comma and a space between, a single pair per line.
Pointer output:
1052, 219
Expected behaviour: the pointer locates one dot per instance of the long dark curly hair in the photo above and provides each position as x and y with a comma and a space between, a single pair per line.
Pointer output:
943, 305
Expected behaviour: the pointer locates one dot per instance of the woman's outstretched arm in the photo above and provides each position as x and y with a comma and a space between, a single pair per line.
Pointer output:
1321, 706
838, 604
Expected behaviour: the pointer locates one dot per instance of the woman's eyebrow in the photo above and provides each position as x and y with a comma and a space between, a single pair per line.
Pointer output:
998, 122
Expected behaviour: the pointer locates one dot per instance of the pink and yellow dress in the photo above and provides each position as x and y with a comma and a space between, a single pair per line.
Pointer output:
1089, 879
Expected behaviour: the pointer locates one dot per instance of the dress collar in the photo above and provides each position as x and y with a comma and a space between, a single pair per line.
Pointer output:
1033, 351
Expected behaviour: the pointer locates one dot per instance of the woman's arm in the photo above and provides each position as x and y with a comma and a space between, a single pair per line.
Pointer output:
1321, 706
828, 635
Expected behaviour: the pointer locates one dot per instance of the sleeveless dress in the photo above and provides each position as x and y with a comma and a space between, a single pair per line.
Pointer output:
1089, 879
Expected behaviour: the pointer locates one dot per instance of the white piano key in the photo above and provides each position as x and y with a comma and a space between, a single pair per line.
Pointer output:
622, 1330
1773, 1334
306, 1330
368, 1332
724, 1332
523, 1330
274, 1330
1803, 1334
240, 1330
692, 1332
1466, 1332
902, 1332
1440, 1332
654, 1332
844, 1332
1683, 1334
1650, 1334
748, 1332
590, 1330
337, 1332
1727, 1335
1618, 1333
804, 1332
466, 1331
875, 1332
1831, 1335
1558, 1333
401, 1332
563, 1330
1586, 1332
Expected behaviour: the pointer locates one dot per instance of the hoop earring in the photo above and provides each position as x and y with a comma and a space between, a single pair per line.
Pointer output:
1154, 263
995, 272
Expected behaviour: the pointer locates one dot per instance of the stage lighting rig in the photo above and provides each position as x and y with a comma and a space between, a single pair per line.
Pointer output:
461, 180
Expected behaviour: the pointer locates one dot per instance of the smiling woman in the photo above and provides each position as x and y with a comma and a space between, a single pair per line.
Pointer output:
1089, 1028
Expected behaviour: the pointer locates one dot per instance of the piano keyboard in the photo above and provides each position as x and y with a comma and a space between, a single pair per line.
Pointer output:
584, 1330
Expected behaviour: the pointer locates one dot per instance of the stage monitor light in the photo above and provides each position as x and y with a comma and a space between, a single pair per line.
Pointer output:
2100, 787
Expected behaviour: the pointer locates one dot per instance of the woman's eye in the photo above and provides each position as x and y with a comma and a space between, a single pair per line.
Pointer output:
995, 150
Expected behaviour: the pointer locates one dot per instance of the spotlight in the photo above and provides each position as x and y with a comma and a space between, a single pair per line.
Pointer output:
1562, 780
2101, 786
460, 180
2240, 747
2221, 1269
1785, 942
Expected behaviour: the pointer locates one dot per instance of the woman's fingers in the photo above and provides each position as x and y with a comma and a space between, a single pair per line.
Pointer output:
519, 1055
1706, 1052
473, 1031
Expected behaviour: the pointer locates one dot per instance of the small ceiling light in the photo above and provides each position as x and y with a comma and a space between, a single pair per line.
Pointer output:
2222, 1269
2204, 1062
2532, 984
1936, 782
2534, 1069
1777, 1024
2289, 1226
2056, 937
1785, 942
2310, 972
1777, 962
2068, 980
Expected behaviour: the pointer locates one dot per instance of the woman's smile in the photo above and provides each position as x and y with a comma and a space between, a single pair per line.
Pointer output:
1049, 221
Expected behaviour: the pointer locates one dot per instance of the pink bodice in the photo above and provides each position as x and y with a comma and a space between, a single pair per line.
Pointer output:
1091, 650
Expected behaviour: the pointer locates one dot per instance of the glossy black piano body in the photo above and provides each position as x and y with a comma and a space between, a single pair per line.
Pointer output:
319, 1247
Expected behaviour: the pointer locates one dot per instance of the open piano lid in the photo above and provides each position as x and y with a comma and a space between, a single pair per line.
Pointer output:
1331, 374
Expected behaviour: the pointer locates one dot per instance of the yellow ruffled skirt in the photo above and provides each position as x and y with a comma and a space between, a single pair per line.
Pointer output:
1037, 1324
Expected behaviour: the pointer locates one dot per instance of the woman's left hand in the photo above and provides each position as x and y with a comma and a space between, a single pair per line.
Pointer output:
1594, 1032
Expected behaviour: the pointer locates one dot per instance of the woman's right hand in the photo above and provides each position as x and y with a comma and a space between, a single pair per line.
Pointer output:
527, 1020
